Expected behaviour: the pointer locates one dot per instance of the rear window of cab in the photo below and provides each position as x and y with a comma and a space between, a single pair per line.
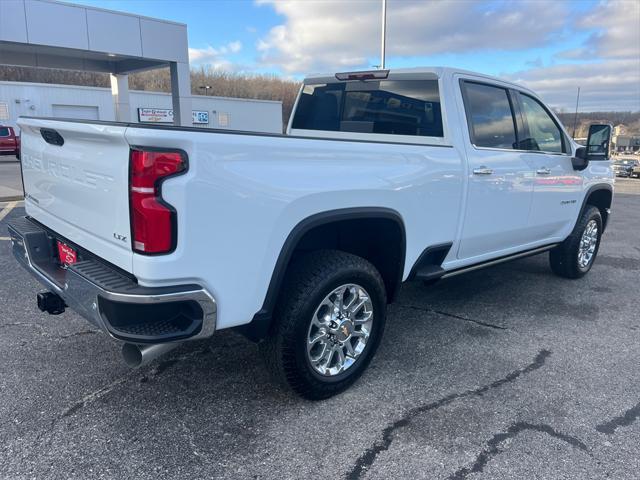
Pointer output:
392, 107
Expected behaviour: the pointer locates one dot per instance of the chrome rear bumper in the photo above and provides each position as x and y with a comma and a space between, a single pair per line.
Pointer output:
110, 299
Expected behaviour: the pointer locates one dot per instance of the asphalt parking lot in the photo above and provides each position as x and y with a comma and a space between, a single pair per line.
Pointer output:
508, 372
10, 178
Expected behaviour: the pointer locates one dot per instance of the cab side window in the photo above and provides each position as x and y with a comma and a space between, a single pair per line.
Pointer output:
543, 133
490, 117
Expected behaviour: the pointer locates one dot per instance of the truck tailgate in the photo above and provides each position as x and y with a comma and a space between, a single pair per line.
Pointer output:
76, 181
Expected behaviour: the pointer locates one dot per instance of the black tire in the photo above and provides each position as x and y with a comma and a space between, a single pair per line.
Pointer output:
564, 258
309, 280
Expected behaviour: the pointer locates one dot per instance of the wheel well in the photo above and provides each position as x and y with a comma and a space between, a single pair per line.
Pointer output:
378, 240
601, 199
376, 234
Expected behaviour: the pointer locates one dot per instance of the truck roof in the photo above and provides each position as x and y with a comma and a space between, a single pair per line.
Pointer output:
421, 72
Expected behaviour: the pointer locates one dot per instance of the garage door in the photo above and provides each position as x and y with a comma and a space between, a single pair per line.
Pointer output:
81, 112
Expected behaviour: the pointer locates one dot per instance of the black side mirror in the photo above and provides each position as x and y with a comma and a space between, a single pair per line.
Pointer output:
598, 142
597, 147
580, 161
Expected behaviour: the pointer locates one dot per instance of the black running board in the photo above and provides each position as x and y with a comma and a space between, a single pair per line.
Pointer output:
429, 273
497, 261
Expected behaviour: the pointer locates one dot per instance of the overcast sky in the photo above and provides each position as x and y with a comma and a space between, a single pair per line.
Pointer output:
551, 46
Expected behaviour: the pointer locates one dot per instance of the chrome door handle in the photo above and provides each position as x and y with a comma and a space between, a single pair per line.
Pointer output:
543, 171
483, 171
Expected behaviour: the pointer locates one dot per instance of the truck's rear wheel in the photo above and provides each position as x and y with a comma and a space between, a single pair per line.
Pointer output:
574, 257
328, 323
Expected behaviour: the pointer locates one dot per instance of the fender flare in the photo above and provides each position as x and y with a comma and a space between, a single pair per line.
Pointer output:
590, 191
259, 326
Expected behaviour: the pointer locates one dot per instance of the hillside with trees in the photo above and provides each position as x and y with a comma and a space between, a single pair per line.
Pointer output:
223, 84
263, 87
631, 120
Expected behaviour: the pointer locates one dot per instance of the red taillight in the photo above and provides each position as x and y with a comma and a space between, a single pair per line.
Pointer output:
153, 221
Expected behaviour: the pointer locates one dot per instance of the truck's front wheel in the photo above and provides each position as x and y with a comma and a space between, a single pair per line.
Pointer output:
328, 323
574, 257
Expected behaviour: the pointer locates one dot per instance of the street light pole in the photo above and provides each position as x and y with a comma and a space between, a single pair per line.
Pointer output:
384, 33
575, 117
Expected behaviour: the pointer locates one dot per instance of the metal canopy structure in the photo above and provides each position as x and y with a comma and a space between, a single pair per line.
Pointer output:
49, 34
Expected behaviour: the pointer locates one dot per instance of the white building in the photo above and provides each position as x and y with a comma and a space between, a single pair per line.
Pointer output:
91, 103
51, 34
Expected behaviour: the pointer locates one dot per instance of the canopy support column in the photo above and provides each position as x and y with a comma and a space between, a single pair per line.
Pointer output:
120, 93
181, 93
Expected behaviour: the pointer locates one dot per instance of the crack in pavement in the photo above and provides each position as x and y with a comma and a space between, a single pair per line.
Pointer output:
452, 315
22, 324
92, 397
513, 431
71, 410
101, 392
190, 439
479, 322
47, 334
624, 420
77, 334
167, 363
153, 373
369, 456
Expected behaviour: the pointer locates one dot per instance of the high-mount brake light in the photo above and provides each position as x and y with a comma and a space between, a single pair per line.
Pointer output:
153, 221
368, 75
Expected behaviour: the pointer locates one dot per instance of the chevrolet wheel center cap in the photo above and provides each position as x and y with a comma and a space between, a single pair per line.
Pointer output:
344, 330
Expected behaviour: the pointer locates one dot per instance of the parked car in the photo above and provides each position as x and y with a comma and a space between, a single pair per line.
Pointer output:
624, 167
635, 171
9, 141
161, 234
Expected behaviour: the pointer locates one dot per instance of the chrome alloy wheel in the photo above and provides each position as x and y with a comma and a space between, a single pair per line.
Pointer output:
339, 329
588, 243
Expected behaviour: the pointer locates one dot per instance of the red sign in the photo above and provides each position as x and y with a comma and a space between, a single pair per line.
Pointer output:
67, 255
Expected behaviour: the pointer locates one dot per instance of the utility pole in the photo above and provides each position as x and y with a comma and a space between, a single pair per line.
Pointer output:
384, 33
575, 117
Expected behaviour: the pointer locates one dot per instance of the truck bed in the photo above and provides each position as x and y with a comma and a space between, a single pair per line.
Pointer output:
243, 192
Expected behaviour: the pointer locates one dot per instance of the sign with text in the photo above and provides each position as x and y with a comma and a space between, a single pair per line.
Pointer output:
165, 115
200, 117
155, 115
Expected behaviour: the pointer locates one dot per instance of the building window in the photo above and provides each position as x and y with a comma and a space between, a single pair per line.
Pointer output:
4, 111
224, 118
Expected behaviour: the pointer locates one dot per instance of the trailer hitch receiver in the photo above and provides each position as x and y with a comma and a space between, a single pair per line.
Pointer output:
51, 303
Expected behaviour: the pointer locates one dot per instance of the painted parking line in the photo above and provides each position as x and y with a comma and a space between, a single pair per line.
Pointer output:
10, 206
19, 203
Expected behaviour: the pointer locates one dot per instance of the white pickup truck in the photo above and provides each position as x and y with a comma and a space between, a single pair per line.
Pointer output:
159, 235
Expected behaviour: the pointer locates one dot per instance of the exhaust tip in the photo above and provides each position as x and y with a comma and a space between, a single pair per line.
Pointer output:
138, 355
132, 355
